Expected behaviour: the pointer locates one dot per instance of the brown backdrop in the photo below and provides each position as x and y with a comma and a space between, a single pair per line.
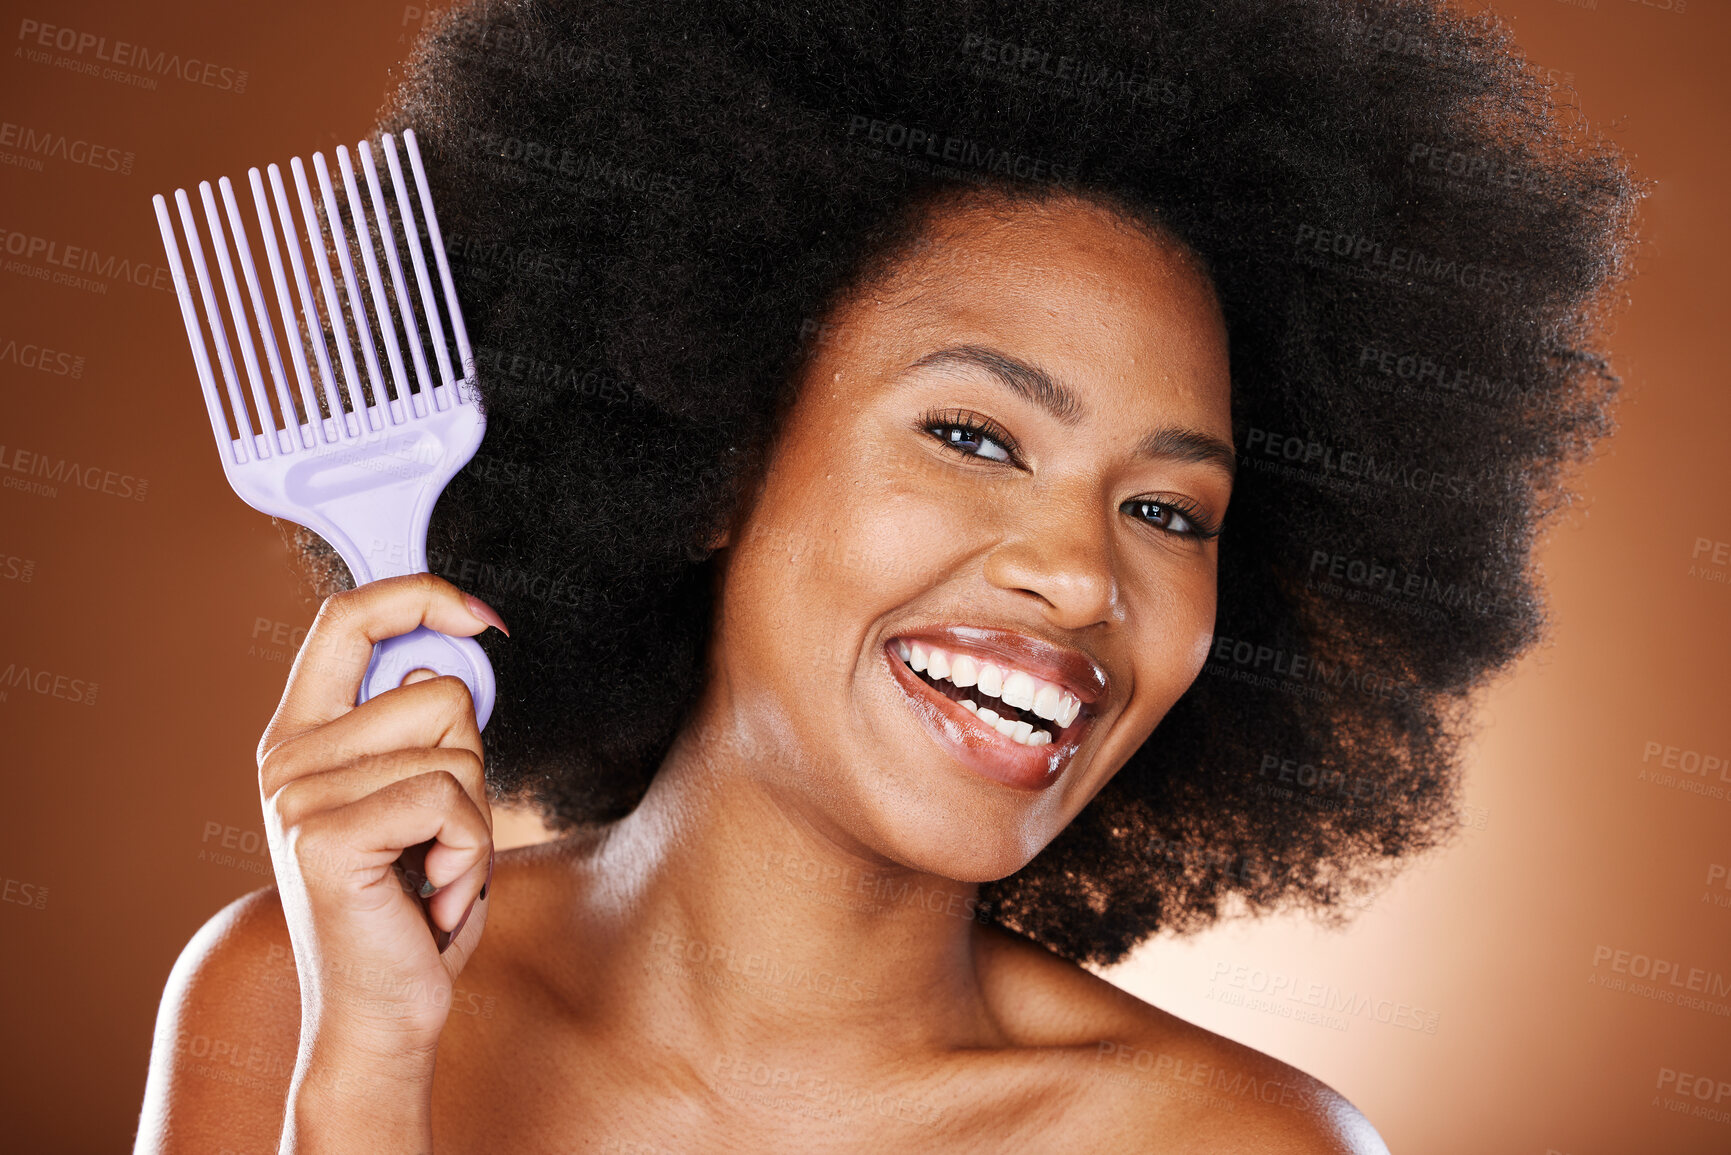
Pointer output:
1525, 992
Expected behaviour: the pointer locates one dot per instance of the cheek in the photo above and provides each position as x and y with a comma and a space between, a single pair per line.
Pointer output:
1202, 642
826, 553
891, 524
899, 540
1204, 598
1177, 633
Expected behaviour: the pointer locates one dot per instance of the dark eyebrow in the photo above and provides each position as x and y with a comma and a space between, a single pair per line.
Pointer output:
1192, 445
1032, 382
1036, 385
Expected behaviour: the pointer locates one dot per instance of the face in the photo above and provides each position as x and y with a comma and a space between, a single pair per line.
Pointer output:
991, 509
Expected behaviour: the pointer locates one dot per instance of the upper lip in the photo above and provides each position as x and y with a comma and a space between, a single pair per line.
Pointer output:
1071, 669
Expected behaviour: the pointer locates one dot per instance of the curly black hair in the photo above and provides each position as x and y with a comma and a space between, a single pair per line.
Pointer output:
650, 205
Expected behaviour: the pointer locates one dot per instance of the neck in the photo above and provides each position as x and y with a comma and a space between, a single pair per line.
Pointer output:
730, 913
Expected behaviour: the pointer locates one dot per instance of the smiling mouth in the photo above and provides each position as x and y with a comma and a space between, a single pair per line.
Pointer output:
1027, 710
1006, 705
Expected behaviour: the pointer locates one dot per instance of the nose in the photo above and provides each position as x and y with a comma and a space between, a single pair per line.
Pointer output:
1060, 553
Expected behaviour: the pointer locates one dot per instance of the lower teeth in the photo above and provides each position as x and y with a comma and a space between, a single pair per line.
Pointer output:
1032, 738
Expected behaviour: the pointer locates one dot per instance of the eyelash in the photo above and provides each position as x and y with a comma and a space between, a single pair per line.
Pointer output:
977, 427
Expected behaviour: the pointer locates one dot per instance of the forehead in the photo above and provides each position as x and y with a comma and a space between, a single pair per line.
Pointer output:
1097, 298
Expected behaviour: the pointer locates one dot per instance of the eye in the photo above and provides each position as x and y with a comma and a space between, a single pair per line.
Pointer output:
1175, 517
971, 434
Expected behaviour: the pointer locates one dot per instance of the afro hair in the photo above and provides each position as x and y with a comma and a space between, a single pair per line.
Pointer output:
649, 207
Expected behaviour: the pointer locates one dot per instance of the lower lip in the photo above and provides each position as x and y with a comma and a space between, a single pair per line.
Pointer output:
978, 746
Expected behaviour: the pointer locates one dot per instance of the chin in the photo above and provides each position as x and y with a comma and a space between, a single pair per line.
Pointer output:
923, 809
993, 737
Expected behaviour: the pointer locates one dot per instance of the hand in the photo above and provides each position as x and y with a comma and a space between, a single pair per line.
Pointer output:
346, 790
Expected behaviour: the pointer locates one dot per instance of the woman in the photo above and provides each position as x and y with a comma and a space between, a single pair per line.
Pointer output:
866, 393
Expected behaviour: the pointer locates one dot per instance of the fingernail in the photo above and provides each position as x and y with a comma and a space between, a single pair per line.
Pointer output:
486, 613
456, 930
427, 888
489, 881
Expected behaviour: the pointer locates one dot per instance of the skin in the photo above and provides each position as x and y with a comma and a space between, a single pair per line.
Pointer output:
737, 965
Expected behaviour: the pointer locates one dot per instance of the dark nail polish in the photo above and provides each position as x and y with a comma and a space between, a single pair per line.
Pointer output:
456, 930
489, 882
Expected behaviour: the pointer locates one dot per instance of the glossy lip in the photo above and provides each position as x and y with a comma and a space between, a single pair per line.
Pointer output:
973, 743
1071, 669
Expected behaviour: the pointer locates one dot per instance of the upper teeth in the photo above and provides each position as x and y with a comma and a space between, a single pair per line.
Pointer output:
1016, 687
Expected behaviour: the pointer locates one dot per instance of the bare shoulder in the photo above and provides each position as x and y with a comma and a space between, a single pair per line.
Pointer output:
226, 1035
228, 1030
1148, 1079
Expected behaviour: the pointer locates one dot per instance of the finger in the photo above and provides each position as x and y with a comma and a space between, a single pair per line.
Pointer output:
327, 671
308, 794
419, 675
433, 714
354, 846
457, 894
462, 944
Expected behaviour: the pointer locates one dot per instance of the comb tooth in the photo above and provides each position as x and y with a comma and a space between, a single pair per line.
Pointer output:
291, 322
381, 307
422, 402
453, 310
189, 314
244, 450
309, 312
286, 436
435, 332
357, 304
266, 438
327, 285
